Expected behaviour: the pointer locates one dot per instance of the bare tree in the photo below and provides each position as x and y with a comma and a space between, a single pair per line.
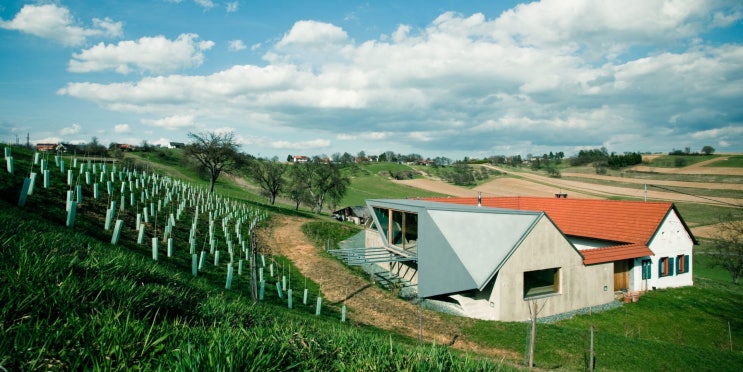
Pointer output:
269, 174
320, 180
215, 152
727, 249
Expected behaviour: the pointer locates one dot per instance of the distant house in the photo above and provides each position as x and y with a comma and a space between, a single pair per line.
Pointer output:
176, 145
357, 214
300, 159
127, 147
47, 146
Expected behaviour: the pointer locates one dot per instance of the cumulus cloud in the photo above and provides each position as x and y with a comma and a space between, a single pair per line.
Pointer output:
206, 4
72, 129
151, 54
122, 128
171, 122
467, 83
310, 42
235, 45
232, 6
54, 22
301, 145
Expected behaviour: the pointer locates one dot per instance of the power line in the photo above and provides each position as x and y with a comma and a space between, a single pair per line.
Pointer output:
698, 196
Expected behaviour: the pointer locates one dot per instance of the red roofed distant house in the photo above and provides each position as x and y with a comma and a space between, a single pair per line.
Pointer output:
49, 147
300, 159
488, 258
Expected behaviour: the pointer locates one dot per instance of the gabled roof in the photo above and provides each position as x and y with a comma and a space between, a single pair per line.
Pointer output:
630, 222
462, 247
618, 221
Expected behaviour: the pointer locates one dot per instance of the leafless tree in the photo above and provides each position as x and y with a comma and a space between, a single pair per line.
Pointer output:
216, 152
727, 248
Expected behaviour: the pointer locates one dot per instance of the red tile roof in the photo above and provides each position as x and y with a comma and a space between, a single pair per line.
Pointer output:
629, 222
615, 253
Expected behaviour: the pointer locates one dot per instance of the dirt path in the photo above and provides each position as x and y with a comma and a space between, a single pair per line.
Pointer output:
366, 303
577, 188
697, 185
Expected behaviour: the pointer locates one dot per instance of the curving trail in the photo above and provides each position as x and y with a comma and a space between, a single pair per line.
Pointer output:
366, 303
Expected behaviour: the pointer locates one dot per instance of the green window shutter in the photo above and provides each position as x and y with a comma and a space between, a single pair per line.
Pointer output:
647, 269
687, 264
679, 267
660, 268
670, 265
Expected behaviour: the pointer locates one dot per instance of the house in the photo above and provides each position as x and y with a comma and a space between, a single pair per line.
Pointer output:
300, 159
486, 263
127, 147
46, 147
357, 214
176, 145
488, 258
648, 243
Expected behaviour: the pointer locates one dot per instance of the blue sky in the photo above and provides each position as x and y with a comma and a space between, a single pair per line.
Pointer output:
437, 78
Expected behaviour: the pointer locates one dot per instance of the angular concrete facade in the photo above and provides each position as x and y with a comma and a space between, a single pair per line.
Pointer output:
492, 262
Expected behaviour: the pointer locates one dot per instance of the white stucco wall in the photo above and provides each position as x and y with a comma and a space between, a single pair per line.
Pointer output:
671, 240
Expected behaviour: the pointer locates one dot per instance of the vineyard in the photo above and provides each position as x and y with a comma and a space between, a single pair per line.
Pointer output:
111, 267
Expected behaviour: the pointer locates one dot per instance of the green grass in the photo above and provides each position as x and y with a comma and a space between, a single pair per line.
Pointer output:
702, 214
671, 329
73, 301
672, 161
735, 161
368, 183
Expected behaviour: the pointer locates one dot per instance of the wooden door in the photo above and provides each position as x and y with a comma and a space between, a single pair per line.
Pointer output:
621, 274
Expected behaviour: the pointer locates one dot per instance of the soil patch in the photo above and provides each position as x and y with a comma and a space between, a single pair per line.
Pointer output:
366, 303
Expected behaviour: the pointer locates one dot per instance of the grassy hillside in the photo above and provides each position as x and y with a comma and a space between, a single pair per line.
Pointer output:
73, 300
372, 181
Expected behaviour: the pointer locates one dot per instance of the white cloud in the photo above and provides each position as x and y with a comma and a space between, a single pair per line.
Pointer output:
466, 83
363, 136
232, 6
206, 4
313, 33
235, 45
171, 122
54, 22
72, 129
311, 43
122, 128
152, 54
301, 145
163, 142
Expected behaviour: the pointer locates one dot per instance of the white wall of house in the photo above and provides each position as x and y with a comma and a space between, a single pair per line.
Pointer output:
670, 241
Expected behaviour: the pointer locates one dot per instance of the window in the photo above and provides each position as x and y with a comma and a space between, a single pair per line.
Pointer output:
665, 267
541, 282
399, 227
647, 269
682, 264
